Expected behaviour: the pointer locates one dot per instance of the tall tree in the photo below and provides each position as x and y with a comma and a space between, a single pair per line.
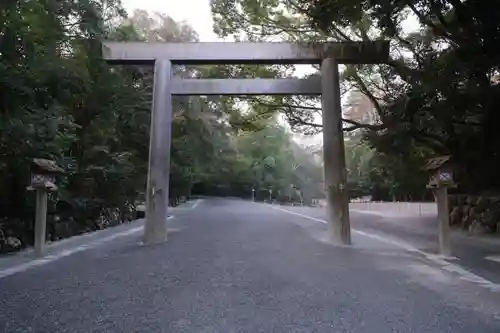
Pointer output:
61, 101
437, 92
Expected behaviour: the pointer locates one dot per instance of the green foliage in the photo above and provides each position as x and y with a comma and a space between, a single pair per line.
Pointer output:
59, 100
438, 94
442, 92
267, 160
359, 158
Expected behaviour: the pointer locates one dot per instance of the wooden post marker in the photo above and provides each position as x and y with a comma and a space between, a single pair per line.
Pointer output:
441, 179
43, 179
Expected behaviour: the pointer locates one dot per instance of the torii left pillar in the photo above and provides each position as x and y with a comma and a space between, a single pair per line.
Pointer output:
155, 227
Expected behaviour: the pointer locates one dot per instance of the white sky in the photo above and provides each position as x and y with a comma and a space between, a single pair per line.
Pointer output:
197, 14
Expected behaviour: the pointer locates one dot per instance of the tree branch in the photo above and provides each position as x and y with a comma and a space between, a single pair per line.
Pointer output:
297, 120
368, 94
430, 24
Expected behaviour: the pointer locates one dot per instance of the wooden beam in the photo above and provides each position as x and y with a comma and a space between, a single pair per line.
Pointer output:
245, 53
292, 86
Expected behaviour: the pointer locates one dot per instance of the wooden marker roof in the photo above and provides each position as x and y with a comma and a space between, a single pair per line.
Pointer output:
436, 162
45, 166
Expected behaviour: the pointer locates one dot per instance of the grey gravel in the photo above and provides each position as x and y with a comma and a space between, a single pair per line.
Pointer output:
230, 266
421, 232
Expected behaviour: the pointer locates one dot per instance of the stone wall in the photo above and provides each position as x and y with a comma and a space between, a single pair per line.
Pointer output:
475, 213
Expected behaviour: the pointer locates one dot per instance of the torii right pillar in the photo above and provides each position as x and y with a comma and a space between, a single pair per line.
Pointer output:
337, 195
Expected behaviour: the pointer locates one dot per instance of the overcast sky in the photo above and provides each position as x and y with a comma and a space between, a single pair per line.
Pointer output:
197, 14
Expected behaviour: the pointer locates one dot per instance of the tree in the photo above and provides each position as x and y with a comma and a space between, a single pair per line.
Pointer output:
48, 80
435, 95
65, 103
446, 86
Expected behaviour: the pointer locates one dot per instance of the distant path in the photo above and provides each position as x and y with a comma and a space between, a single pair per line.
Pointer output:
410, 209
235, 266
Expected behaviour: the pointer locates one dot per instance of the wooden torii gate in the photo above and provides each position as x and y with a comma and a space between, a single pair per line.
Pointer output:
164, 55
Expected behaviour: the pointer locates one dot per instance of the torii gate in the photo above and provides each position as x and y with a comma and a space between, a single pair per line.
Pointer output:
164, 55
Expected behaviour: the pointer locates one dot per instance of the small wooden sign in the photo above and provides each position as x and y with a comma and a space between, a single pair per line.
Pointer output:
445, 176
441, 172
38, 179
43, 174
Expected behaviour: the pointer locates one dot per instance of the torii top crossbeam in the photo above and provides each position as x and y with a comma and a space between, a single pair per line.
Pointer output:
245, 53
